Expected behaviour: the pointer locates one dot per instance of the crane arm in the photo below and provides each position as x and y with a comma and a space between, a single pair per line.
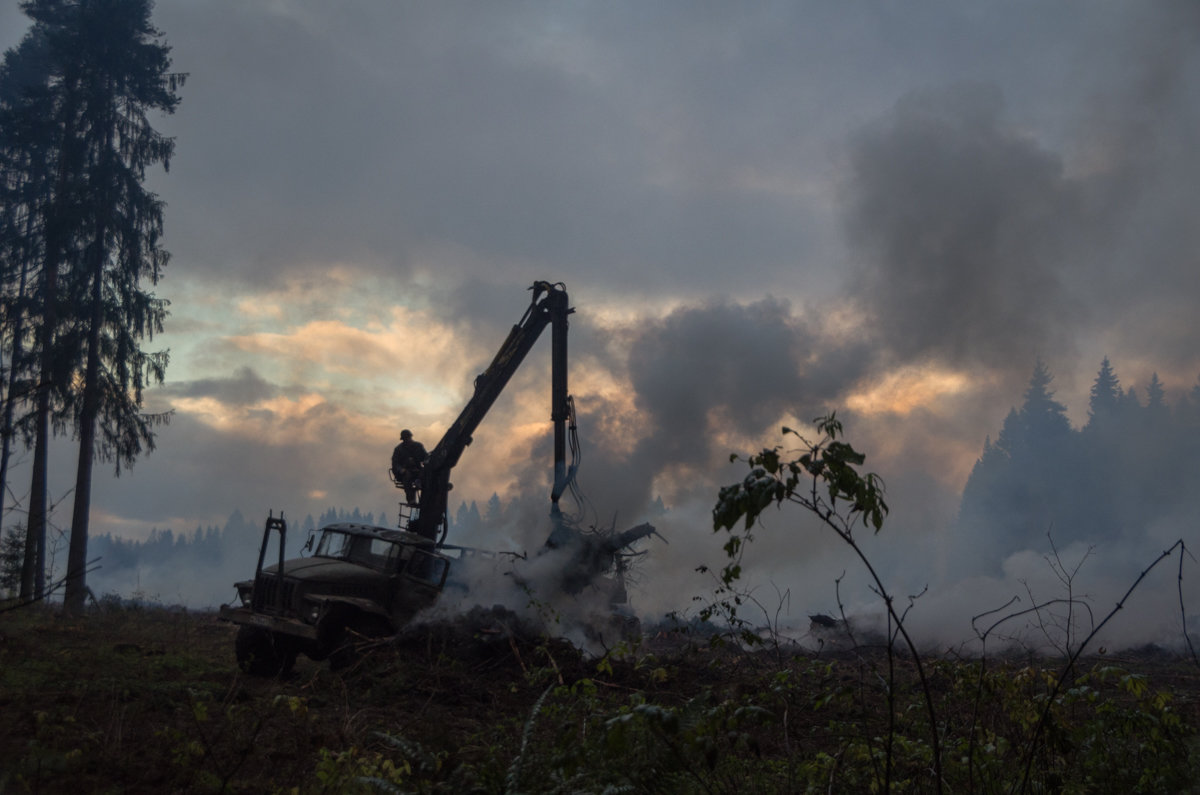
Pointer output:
550, 306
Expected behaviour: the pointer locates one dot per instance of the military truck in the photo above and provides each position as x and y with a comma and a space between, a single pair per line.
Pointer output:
363, 582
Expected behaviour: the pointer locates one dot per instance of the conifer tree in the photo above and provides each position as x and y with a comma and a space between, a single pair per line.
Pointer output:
42, 156
111, 70
1105, 396
1156, 400
1010, 431
23, 185
1187, 410
1130, 408
76, 142
493, 515
474, 518
1043, 417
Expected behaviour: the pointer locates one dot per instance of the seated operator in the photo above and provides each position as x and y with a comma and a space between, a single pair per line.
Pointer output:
407, 460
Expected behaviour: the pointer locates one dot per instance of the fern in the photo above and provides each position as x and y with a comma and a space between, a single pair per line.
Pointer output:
513, 779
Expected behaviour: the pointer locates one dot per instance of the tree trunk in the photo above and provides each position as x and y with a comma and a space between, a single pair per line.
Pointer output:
33, 574
76, 588
18, 330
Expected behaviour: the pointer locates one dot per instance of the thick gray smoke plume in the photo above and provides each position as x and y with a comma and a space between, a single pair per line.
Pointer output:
701, 376
959, 222
976, 245
980, 243
719, 367
984, 247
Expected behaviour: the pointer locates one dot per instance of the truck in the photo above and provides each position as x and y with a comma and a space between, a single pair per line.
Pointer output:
362, 582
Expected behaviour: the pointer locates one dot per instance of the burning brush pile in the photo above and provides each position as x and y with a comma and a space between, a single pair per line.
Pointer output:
573, 588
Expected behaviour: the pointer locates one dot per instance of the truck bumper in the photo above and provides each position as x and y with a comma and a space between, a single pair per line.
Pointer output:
277, 624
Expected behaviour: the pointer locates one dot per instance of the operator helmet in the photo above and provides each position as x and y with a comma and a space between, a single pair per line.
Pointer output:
406, 434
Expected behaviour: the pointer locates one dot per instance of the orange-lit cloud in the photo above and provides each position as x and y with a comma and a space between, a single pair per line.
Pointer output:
260, 419
904, 390
422, 362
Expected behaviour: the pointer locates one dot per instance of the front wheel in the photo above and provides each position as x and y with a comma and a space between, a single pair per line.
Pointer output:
263, 653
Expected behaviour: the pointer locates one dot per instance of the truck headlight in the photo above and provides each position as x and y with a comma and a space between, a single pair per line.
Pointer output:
312, 612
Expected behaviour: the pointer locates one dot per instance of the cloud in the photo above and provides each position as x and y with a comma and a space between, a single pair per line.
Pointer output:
243, 388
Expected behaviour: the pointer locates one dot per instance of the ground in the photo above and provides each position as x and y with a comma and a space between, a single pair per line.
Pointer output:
144, 699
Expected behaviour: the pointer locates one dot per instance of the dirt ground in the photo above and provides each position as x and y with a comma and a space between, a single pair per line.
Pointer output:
151, 700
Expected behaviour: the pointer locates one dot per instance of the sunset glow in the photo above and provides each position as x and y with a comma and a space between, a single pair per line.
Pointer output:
903, 391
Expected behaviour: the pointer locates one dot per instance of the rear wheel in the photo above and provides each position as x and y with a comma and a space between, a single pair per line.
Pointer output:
262, 653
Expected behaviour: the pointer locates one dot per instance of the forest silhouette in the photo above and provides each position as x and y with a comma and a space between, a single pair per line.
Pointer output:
1115, 481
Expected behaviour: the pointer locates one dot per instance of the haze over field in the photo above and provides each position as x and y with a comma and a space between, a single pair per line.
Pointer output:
761, 212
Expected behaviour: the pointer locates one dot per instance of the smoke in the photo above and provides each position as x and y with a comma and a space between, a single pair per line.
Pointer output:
958, 222
703, 373
530, 589
694, 385
982, 237
1143, 170
976, 247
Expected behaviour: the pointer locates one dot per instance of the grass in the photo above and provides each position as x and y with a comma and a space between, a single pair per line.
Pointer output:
150, 700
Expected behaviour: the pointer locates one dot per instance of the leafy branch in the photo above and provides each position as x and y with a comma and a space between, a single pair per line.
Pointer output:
823, 478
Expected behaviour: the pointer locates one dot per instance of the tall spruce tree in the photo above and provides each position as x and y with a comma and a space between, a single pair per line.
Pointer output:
128, 76
1156, 397
1044, 418
42, 155
1129, 407
22, 182
106, 70
1105, 396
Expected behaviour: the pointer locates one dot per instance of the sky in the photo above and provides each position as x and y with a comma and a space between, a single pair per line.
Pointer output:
762, 212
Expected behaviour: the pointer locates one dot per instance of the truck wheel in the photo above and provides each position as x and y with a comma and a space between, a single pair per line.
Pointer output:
261, 653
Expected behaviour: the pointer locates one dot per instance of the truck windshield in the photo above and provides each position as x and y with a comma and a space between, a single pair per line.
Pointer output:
378, 553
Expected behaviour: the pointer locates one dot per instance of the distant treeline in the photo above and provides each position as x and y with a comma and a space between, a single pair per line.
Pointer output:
1126, 473
199, 567
204, 547
237, 541
174, 566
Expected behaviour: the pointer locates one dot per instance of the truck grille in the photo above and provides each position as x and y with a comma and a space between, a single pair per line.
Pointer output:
266, 594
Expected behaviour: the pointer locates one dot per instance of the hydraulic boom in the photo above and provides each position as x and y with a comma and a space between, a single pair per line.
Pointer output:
549, 307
